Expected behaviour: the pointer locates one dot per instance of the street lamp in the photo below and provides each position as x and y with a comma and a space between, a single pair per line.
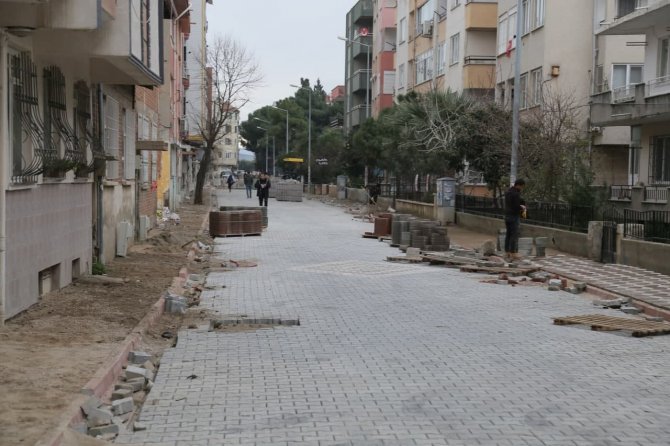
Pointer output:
284, 110
266, 145
309, 138
368, 105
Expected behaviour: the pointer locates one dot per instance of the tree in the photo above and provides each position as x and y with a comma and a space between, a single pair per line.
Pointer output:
232, 74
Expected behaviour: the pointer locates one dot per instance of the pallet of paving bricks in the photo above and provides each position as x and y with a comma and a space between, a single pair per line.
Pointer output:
404, 259
434, 259
598, 322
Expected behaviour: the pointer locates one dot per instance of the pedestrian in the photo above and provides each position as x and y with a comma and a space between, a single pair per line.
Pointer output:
230, 181
248, 183
263, 189
515, 206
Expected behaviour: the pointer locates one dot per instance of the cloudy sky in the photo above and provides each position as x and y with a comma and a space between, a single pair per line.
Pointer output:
289, 38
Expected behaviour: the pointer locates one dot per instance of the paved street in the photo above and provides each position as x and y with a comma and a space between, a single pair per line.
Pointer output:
390, 354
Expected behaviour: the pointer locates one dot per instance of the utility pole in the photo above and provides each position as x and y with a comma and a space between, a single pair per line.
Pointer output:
517, 95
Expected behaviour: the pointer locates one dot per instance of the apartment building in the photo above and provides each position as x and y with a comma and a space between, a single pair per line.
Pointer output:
227, 151
446, 44
358, 62
382, 79
638, 97
557, 64
67, 141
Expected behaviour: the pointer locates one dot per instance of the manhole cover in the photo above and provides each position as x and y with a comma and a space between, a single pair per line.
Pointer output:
364, 269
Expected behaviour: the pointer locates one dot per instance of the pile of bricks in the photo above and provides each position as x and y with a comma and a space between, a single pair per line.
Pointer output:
104, 420
288, 191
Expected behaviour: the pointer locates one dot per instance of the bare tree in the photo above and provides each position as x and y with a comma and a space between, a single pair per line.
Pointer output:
231, 74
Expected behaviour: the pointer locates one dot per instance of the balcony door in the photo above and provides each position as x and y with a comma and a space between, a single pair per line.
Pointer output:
660, 161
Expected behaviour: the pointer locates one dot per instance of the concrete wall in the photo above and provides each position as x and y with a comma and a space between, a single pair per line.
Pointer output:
423, 210
47, 226
118, 206
648, 255
574, 243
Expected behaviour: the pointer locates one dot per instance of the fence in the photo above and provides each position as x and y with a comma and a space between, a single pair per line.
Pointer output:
553, 215
408, 191
652, 226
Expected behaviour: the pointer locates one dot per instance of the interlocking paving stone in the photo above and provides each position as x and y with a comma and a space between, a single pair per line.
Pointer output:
388, 356
637, 283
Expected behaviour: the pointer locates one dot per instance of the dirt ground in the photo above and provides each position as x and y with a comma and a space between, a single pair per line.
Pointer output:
51, 351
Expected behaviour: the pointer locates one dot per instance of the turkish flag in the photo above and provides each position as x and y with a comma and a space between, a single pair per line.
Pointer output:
508, 50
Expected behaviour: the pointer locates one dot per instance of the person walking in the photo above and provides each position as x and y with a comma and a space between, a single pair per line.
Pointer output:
263, 189
230, 181
248, 183
515, 206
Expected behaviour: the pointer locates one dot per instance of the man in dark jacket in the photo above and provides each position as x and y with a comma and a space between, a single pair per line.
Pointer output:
263, 189
248, 183
514, 207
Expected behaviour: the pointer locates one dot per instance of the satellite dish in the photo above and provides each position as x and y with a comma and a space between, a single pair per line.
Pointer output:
363, 31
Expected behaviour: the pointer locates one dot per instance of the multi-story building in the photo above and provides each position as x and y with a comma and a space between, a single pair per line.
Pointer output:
383, 52
337, 94
195, 99
67, 136
569, 71
446, 44
227, 151
358, 62
638, 97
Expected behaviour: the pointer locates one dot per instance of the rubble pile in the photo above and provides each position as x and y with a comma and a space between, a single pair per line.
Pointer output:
104, 420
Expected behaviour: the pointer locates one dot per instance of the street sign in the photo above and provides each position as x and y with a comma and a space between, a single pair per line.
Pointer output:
322, 161
294, 160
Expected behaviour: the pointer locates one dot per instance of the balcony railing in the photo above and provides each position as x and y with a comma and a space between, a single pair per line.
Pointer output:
629, 6
623, 94
621, 193
656, 194
658, 86
359, 114
480, 60
360, 81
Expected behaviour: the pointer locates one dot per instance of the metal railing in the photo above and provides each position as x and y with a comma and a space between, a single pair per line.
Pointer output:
651, 226
479, 60
658, 86
554, 215
658, 194
621, 193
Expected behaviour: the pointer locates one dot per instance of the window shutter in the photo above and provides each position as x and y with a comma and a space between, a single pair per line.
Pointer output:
129, 165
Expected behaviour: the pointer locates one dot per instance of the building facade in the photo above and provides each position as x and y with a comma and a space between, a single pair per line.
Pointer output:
383, 55
358, 62
227, 151
637, 96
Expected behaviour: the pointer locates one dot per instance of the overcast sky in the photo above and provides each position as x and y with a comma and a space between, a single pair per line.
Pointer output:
289, 38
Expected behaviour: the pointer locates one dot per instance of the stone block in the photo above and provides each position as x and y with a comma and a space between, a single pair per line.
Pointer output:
149, 366
136, 372
631, 310
120, 394
102, 430
654, 318
90, 404
98, 417
554, 288
139, 357
612, 303
413, 252
136, 384
120, 407
581, 286
555, 282
137, 427
488, 248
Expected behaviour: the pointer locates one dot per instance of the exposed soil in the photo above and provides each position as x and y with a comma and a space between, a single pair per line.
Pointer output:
51, 351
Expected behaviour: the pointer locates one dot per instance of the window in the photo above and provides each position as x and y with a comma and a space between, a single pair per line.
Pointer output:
402, 30
144, 171
523, 90
154, 166
424, 14
539, 14
535, 87
455, 3
525, 17
111, 107
664, 57
229, 155
626, 74
424, 67
129, 145
20, 140
441, 58
227, 129
501, 94
506, 32
454, 44
660, 160
228, 141
628, 6
401, 76
599, 80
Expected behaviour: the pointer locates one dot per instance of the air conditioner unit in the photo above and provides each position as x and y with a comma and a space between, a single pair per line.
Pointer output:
427, 28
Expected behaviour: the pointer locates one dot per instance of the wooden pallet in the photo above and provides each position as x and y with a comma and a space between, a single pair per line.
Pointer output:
444, 260
637, 327
498, 270
370, 235
404, 259
251, 234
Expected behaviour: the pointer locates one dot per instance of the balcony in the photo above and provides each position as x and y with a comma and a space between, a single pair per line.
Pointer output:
623, 94
610, 109
360, 81
656, 194
637, 16
359, 114
360, 49
363, 11
481, 15
63, 14
479, 72
621, 193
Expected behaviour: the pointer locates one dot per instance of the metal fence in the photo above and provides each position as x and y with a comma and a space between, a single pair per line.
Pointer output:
409, 191
554, 215
651, 226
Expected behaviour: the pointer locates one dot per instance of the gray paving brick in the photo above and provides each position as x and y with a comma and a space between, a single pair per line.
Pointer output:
395, 354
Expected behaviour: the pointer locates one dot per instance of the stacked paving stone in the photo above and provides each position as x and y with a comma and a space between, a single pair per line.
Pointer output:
412, 232
263, 209
288, 191
104, 420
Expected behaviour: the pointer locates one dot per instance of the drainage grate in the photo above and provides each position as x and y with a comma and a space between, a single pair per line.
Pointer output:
639, 328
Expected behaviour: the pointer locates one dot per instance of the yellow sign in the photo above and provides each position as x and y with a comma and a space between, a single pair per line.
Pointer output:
294, 160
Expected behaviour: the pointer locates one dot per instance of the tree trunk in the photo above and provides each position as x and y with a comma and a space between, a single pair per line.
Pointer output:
202, 175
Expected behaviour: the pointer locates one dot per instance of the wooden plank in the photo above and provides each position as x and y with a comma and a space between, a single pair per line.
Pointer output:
497, 270
639, 328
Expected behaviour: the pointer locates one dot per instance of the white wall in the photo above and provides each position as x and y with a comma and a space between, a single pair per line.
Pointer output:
402, 51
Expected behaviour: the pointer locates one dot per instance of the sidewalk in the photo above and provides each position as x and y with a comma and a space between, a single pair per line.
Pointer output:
394, 354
